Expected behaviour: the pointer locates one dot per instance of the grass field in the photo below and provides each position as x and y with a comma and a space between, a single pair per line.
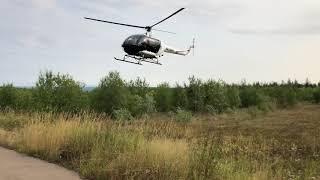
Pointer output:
242, 144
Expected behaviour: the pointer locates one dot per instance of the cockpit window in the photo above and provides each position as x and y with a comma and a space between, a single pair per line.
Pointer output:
134, 40
142, 42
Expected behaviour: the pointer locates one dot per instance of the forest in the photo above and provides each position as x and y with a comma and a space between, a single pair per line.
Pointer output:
123, 99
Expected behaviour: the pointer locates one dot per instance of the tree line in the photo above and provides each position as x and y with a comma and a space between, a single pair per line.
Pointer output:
115, 96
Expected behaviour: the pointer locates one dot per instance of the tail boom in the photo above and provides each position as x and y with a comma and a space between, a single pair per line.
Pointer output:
171, 50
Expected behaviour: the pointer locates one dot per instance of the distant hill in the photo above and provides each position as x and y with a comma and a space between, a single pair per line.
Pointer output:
86, 88
89, 88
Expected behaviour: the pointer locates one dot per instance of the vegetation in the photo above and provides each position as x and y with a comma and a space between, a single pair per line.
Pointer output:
60, 93
283, 144
198, 130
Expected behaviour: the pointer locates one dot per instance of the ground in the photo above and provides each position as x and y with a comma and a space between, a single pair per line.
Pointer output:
15, 166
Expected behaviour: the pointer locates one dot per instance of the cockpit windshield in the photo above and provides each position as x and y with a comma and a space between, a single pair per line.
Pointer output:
134, 40
136, 43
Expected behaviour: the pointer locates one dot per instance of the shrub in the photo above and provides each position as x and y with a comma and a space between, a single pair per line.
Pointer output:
305, 94
149, 104
285, 96
111, 94
316, 95
215, 95
180, 97
183, 116
233, 97
139, 106
25, 100
211, 110
122, 115
56, 92
250, 97
136, 105
8, 96
163, 97
139, 87
196, 94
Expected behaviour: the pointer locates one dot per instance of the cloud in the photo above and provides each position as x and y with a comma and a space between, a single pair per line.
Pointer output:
53, 34
310, 30
278, 18
44, 4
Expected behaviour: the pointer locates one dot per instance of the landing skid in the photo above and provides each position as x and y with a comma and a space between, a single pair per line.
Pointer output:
137, 60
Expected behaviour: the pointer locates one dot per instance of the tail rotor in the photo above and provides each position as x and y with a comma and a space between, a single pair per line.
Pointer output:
192, 46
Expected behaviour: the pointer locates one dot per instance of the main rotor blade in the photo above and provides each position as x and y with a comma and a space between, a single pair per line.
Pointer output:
143, 27
163, 31
168, 17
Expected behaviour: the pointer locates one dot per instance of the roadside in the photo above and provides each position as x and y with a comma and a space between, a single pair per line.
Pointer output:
15, 166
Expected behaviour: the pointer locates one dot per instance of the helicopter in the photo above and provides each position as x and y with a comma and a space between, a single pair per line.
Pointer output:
143, 47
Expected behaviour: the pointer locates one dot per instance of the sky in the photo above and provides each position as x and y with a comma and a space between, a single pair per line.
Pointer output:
252, 40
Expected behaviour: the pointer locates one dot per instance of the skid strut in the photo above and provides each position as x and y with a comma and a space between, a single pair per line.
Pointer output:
137, 60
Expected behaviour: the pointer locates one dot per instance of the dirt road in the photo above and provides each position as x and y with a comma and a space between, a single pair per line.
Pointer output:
14, 166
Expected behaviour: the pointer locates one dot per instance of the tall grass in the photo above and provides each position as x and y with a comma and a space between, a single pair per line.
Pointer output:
277, 145
103, 150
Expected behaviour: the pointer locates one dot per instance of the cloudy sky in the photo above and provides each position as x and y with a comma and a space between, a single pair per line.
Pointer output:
256, 40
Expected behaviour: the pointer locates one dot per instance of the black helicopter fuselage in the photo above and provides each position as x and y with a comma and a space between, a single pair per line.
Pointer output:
136, 44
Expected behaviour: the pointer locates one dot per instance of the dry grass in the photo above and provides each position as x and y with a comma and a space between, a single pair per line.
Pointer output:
284, 144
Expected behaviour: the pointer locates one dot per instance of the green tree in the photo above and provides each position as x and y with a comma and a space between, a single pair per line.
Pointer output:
25, 100
8, 96
196, 94
56, 92
233, 97
163, 97
180, 97
141, 105
285, 96
215, 95
138, 87
111, 94
251, 96
316, 95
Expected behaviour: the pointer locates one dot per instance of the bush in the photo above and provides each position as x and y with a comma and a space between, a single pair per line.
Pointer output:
139, 106
149, 104
122, 115
305, 94
25, 100
215, 95
56, 92
183, 116
316, 95
163, 97
180, 97
136, 105
251, 97
285, 96
8, 96
233, 97
196, 94
111, 94
139, 87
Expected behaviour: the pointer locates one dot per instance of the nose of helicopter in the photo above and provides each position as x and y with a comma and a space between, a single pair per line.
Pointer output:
130, 49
